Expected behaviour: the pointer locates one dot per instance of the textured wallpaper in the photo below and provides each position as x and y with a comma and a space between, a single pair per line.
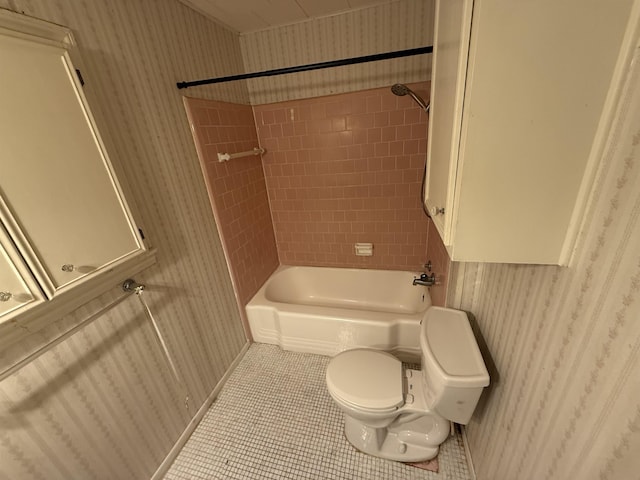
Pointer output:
383, 28
103, 404
565, 342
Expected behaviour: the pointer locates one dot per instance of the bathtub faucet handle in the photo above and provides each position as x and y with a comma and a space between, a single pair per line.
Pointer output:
426, 280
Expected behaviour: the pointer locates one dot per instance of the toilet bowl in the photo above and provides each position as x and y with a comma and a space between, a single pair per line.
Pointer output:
405, 414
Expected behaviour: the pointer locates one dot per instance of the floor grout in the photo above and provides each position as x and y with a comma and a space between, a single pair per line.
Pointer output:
275, 420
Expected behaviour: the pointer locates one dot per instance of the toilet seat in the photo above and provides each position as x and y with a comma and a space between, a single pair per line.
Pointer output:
366, 379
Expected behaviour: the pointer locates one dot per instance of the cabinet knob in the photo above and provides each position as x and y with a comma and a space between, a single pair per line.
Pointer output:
5, 296
67, 267
436, 211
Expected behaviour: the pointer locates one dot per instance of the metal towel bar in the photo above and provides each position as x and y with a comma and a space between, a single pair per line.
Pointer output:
49, 345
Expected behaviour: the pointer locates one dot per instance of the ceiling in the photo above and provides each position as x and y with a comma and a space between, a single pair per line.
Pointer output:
249, 15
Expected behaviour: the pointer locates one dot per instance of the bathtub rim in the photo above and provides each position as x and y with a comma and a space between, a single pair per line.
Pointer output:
321, 347
261, 293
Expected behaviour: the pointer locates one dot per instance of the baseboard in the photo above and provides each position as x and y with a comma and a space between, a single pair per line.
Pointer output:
177, 447
467, 453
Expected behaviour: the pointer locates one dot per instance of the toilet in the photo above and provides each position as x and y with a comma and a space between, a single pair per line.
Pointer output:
405, 414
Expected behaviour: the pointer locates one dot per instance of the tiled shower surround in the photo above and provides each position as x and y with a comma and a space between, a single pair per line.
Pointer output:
236, 190
343, 169
339, 170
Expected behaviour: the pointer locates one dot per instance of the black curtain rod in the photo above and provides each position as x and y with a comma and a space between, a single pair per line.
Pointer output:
311, 66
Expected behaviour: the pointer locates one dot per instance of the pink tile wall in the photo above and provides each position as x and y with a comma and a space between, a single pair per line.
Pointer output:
344, 169
237, 191
440, 263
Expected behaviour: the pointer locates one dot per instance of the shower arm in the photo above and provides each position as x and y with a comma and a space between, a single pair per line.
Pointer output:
400, 90
425, 106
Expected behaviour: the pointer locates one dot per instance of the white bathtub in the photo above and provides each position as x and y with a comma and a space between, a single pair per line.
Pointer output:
328, 310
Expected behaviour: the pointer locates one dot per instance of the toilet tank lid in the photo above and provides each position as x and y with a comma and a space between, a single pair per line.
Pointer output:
366, 378
448, 343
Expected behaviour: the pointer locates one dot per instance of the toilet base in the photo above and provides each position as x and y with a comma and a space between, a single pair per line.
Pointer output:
415, 441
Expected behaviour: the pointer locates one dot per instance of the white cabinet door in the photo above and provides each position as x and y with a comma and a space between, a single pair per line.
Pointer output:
61, 201
18, 292
519, 120
450, 53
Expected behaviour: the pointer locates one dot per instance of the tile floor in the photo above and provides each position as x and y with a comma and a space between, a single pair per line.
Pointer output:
275, 420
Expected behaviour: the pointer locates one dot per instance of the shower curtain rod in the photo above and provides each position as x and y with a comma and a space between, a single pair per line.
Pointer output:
312, 66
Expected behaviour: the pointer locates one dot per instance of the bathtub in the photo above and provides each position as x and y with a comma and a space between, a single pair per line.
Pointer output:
327, 310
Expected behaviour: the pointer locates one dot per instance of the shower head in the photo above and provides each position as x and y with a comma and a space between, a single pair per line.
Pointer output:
401, 90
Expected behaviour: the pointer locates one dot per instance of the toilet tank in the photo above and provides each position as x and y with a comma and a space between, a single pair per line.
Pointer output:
453, 370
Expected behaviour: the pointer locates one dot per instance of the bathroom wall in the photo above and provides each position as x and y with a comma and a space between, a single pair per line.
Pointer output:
103, 404
565, 342
440, 266
382, 28
237, 191
343, 169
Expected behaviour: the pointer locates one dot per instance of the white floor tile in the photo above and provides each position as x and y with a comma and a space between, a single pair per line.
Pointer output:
274, 419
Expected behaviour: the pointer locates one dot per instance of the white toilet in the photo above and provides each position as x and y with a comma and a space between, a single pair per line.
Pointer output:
406, 416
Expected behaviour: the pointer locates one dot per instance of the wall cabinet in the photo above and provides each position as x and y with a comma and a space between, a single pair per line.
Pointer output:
18, 291
65, 222
522, 99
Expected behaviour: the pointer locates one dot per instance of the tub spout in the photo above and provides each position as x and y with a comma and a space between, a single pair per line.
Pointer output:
426, 280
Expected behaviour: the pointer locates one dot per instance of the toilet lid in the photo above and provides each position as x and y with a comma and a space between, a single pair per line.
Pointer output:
367, 378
